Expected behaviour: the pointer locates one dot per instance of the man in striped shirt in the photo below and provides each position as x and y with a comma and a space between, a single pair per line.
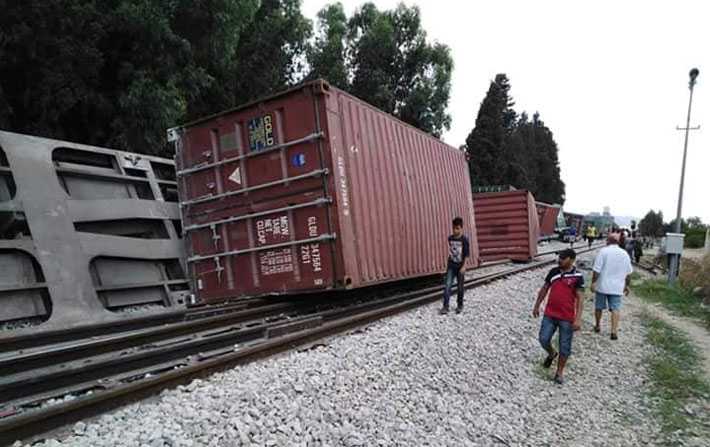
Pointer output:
564, 289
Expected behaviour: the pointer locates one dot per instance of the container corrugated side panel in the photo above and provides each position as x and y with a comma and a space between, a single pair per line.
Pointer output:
507, 225
403, 188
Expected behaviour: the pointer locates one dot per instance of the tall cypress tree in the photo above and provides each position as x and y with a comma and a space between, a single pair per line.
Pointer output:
485, 144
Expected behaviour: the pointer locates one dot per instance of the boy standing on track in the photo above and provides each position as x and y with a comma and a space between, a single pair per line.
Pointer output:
459, 250
563, 310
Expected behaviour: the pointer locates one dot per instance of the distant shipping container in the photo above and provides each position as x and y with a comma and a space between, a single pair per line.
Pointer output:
547, 218
313, 189
575, 220
507, 225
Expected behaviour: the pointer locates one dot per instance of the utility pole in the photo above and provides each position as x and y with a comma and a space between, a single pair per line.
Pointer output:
674, 264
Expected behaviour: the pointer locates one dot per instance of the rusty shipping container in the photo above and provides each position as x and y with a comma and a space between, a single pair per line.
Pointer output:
547, 218
507, 225
313, 189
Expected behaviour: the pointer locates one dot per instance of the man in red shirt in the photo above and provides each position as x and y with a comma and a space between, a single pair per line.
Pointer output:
563, 310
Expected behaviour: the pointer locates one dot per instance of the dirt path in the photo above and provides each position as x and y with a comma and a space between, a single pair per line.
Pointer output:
697, 334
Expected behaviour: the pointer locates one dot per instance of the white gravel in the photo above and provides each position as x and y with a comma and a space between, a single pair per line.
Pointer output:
414, 379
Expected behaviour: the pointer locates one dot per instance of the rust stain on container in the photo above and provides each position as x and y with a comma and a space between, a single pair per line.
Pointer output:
313, 189
507, 225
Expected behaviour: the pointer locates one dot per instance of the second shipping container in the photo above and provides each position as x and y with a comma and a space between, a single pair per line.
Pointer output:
507, 225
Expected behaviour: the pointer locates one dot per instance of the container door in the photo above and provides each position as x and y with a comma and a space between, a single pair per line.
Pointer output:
255, 200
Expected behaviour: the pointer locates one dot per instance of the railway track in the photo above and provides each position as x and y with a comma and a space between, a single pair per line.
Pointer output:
45, 386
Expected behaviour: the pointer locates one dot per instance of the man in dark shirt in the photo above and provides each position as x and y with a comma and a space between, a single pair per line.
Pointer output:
459, 250
563, 310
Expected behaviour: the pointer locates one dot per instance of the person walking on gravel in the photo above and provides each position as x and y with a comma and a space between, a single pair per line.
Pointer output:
459, 250
564, 289
611, 275
591, 235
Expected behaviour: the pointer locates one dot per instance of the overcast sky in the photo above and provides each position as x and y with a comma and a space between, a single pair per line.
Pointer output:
610, 79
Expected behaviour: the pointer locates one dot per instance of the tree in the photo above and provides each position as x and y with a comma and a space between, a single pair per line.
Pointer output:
327, 55
485, 144
383, 57
544, 163
507, 149
119, 72
214, 29
652, 224
272, 50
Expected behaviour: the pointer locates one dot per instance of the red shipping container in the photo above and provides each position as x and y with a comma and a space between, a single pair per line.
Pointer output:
547, 218
507, 225
575, 220
313, 189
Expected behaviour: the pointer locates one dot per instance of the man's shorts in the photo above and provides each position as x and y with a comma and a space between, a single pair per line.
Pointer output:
603, 301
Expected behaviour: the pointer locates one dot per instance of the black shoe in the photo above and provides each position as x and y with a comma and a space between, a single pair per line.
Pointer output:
559, 380
550, 358
614, 337
444, 310
597, 329
459, 309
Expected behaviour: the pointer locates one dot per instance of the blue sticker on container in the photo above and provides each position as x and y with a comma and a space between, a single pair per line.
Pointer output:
298, 160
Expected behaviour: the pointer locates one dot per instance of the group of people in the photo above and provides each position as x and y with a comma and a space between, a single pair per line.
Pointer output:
563, 289
632, 242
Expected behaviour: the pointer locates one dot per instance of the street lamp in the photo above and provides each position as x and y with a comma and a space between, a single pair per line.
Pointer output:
673, 267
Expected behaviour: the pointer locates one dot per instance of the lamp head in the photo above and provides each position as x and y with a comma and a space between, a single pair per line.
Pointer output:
693, 75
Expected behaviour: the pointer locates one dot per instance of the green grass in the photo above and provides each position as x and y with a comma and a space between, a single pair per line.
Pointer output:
676, 299
676, 375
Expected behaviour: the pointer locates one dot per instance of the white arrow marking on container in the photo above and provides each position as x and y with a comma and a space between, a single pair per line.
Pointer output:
236, 176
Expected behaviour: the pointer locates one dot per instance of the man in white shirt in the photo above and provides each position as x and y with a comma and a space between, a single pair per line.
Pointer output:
610, 280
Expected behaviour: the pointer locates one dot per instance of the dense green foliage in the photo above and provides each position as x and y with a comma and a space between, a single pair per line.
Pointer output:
694, 230
118, 73
505, 148
384, 58
652, 224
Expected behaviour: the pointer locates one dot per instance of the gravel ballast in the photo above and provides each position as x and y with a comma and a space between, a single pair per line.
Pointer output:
414, 379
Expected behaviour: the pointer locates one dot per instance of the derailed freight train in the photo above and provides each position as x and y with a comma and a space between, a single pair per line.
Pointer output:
313, 189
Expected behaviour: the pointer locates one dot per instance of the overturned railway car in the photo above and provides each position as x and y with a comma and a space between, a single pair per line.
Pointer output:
576, 221
86, 231
547, 216
313, 189
507, 225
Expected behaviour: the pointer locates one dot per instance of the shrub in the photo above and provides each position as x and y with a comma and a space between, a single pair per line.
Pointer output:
695, 273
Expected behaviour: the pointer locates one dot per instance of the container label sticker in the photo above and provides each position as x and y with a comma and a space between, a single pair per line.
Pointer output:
261, 133
298, 160
274, 262
310, 253
272, 230
236, 176
344, 197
